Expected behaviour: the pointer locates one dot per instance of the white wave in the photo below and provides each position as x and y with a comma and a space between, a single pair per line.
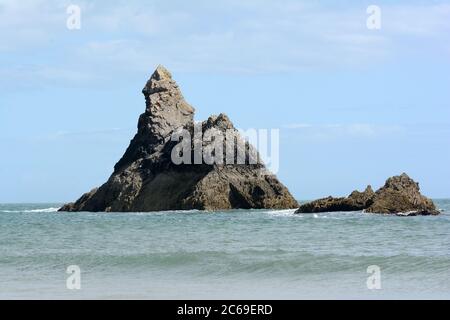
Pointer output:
285, 212
158, 213
32, 210
43, 210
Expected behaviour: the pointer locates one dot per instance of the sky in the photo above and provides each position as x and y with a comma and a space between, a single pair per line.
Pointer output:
353, 105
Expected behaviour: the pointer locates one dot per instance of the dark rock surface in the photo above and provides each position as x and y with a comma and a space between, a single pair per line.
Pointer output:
400, 195
356, 201
146, 178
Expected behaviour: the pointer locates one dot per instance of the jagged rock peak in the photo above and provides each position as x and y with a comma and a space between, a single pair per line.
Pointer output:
148, 179
162, 91
161, 73
401, 182
160, 80
166, 111
221, 122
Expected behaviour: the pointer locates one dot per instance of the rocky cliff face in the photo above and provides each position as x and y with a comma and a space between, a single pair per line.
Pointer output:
400, 195
147, 179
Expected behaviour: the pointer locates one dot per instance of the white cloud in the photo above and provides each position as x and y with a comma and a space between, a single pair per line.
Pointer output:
417, 20
87, 132
29, 23
220, 36
338, 131
38, 75
140, 18
298, 126
250, 38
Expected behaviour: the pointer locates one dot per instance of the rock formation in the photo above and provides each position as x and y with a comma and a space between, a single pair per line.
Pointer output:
147, 179
356, 201
400, 195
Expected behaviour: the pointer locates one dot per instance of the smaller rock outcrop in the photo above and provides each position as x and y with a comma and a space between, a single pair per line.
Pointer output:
356, 201
400, 195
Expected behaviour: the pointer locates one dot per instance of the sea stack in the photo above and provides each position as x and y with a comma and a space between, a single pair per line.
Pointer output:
147, 179
400, 195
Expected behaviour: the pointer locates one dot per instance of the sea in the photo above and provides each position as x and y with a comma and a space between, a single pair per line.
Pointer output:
236, 254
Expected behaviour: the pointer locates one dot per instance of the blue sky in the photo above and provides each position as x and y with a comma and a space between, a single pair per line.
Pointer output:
354, 105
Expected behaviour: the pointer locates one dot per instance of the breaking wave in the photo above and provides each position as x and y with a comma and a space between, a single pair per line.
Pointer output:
52, 209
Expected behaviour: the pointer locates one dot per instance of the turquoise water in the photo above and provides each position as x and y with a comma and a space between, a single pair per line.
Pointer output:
253, 254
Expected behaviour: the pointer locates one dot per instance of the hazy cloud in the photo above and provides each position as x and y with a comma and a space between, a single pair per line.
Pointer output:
336, 131
212, 36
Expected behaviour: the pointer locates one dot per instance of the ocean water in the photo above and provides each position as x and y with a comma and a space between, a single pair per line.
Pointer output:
238, 254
